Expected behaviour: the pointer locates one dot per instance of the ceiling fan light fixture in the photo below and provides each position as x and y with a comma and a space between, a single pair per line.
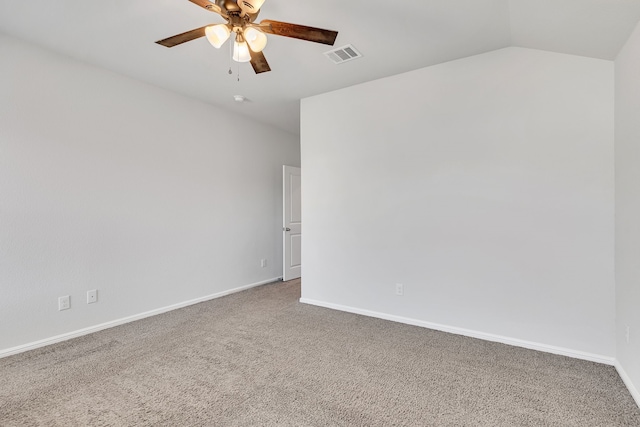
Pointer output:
257, 39
217, 34
241, 52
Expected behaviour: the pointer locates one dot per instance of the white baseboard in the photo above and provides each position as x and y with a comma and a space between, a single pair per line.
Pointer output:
111, 324
627, 381
576, 354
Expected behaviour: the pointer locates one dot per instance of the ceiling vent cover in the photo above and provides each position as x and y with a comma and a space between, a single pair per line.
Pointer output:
343, 54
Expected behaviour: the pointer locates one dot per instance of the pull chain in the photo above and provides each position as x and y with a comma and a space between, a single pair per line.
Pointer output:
230, 55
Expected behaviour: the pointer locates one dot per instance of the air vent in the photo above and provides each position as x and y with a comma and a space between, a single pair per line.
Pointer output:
343, 54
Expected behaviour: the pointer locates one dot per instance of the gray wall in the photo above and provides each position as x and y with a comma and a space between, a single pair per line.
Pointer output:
628, 211
485, 186
107, 183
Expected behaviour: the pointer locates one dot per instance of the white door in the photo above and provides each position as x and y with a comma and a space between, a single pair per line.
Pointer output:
291, 222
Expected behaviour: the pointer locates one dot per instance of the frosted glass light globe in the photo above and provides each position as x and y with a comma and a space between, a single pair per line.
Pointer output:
217, 34
257, 39
241, 52
250, 6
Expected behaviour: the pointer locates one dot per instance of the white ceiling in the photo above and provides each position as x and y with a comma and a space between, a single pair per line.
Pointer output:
394, 37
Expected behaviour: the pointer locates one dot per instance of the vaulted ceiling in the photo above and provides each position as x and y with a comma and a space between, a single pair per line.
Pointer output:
393, 37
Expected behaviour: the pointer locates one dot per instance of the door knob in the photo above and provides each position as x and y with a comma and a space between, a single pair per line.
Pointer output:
286, 229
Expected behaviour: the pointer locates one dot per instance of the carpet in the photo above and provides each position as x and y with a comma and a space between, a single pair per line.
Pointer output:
260, 358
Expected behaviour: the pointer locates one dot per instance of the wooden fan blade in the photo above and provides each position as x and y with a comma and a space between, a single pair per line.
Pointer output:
317, 35
259, 62
183, 38
206, 4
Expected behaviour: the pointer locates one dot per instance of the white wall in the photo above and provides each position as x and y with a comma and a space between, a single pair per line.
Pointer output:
484, 185
111, 184
627, 166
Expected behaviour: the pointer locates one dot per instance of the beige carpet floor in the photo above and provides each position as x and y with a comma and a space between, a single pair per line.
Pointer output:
260, 358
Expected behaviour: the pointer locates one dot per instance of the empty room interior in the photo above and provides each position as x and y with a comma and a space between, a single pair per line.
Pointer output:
469, 181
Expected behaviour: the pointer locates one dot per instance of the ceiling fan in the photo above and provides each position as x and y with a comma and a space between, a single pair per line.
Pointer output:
250, 37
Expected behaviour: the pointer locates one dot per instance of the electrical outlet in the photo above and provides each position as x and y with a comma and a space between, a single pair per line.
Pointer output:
626, 333
64, 303
399, 289
92, 296
263, 263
